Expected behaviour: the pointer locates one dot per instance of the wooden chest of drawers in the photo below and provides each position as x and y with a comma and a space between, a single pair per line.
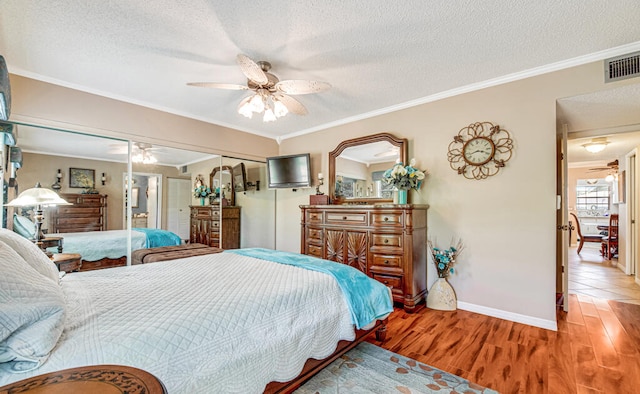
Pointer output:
209, 226
88, 213
387, 242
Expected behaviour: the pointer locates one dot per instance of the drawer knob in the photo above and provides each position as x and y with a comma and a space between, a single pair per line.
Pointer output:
386, 282
386, 261
386, 219
386, 241
344, 218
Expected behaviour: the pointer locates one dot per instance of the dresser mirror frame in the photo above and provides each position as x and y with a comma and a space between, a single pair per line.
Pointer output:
231, 194
400, 143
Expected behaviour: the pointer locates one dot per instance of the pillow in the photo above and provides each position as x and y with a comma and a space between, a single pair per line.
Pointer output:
30, 253
24, 226
32, 312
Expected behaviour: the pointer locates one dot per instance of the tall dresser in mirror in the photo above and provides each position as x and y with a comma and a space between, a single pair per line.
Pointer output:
88, 213
209, 226
385, 241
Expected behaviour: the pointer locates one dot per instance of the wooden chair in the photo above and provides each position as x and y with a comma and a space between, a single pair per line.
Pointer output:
609, 244
582, 238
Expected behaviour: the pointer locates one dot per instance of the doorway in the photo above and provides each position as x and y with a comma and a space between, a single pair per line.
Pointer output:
145, 199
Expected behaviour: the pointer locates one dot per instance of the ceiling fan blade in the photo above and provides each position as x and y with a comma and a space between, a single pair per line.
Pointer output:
251, 70
298, 86
293, 105
216, 85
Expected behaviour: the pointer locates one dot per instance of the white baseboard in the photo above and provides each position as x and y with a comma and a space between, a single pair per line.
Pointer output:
515, 317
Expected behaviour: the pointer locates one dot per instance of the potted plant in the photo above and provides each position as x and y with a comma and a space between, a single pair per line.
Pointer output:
404, 178
441, 295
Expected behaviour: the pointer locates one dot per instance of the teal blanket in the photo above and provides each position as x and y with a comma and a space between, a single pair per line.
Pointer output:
367, 298
157, 237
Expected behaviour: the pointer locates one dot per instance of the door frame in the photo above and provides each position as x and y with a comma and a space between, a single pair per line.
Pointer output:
631, 198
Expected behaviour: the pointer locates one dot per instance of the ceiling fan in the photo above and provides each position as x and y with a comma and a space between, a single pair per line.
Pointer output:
611, 166
140, 152
271, 96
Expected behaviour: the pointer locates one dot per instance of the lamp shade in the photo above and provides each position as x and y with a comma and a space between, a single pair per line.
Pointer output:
37, 196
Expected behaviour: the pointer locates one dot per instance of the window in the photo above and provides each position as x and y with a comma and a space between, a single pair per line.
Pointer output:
593, 197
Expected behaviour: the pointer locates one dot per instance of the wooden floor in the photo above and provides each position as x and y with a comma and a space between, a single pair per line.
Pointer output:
595, 350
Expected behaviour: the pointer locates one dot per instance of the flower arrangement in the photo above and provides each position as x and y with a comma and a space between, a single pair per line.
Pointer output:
445, 258
201, 190
404, 177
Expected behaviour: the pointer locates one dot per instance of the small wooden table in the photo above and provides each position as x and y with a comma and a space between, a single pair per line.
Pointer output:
48, 242
67, 262
95, 379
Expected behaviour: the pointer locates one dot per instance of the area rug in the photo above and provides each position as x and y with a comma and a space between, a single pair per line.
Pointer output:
368, 368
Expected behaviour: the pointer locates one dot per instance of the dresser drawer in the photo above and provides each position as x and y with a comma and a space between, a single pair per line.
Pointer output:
387, 219
75, 211
205, 212
314, 235
386, 261
394, 282
314, 250
215, 226
389, 242
347, 218
314, 217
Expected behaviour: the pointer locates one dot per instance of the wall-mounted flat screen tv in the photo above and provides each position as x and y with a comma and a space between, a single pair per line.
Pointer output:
289, 172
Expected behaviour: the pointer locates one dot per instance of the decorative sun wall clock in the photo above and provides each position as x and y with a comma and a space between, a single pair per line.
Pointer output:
480, 150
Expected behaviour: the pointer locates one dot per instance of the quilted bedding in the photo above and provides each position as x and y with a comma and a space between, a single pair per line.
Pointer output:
220, 323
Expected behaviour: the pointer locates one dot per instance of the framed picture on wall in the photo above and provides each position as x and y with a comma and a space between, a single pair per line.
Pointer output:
82, 177
135, 197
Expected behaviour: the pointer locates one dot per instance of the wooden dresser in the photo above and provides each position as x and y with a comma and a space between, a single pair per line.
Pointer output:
387, 242
88, 213
207, 227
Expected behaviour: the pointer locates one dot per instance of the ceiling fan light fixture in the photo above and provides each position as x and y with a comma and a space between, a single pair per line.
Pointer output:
279, 108
269, 116
596, 145
245, 110
270, 93
257, 103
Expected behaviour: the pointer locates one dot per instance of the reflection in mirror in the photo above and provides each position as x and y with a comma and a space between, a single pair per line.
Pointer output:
80, 168
257, 205
91, 172
356, 168
248, 217
359, 170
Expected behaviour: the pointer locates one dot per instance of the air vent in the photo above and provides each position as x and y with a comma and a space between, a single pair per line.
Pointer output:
183, 169
622, 67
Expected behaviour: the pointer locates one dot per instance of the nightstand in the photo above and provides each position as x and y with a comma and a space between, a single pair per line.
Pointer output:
49, 241
67, 262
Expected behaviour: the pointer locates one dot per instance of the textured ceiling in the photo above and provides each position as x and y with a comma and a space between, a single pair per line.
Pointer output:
378, 55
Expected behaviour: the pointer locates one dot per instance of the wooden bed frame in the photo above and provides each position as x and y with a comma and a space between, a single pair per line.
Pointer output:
103, 263
313, 366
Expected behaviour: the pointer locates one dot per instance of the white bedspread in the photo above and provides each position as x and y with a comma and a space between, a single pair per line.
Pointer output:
219, 323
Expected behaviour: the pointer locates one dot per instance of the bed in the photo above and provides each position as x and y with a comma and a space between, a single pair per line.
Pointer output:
226, 322
101, 249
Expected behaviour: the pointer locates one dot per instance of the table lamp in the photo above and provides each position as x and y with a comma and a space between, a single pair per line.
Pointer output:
39, 197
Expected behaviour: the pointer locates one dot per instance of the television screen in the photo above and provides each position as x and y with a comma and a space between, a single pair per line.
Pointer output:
239, 178
291, 171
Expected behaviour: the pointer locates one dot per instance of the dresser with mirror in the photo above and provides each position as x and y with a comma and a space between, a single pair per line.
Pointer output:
362, 227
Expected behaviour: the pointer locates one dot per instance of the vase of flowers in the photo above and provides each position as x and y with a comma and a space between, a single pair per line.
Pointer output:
201, 190
441, 295
404, 178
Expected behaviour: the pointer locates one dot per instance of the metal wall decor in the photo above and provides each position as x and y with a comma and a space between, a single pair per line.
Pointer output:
480, 150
